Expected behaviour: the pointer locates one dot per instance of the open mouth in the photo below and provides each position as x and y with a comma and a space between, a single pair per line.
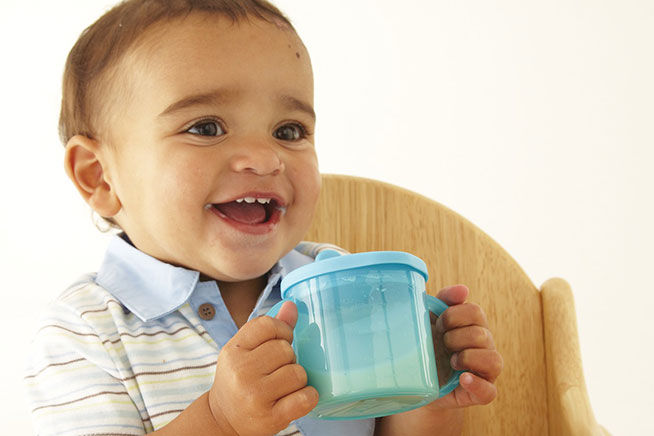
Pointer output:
250, 210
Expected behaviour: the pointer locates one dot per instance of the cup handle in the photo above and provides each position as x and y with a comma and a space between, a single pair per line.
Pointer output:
437, 307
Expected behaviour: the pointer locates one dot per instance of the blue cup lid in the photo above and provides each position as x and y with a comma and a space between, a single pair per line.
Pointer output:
329, 261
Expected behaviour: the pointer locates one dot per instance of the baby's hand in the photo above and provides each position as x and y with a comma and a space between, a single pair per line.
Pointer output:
258, 388
463, 330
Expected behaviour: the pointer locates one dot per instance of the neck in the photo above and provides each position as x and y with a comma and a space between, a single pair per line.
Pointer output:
241, 297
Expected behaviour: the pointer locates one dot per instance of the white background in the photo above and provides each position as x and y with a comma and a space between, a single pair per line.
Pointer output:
533, 119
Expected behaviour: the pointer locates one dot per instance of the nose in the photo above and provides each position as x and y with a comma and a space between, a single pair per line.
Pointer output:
257, 156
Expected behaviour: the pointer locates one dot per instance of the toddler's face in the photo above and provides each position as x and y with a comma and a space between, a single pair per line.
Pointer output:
219, 114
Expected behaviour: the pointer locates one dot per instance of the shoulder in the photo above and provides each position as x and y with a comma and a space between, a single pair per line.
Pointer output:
81, 317
312, 249
79, 302
68, 331
74, 375
304, 253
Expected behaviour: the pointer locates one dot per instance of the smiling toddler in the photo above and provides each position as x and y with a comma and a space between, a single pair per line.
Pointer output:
189, 125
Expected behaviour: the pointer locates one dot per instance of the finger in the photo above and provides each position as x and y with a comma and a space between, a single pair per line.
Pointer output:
452, 295
273, 354
468, 337
259, 330
461, 315
285, 381
484, 363
478, 390
288, 313
295, 405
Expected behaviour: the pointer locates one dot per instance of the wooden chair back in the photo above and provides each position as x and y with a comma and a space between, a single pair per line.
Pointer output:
365, 215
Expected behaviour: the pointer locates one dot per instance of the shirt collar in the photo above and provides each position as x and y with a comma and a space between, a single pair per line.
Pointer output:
151, 289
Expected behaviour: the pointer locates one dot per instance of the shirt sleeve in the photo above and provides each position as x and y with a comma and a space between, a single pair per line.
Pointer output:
73, 385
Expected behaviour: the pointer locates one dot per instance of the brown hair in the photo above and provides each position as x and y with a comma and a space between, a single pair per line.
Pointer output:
101, 46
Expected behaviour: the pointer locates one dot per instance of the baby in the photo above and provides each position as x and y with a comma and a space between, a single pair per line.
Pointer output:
189, 125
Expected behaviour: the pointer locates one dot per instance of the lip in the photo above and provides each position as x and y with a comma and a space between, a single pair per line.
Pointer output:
253, 229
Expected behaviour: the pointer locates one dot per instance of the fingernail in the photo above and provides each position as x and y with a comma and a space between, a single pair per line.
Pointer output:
453, 360
465, 379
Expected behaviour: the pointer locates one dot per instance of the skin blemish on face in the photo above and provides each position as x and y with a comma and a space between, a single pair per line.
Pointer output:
297, 53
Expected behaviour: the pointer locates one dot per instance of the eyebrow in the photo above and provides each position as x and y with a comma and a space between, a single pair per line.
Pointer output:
217, 96
221, 96
293, 103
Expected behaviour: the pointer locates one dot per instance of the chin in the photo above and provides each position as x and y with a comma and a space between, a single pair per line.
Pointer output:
244, 262
246, 270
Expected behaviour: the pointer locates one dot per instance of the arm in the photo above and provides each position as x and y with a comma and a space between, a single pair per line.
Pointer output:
74, 388
414, 422
258, 387
463, 331
196, 419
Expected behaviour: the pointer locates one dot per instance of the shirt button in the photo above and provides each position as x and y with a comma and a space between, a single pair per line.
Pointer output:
206, 311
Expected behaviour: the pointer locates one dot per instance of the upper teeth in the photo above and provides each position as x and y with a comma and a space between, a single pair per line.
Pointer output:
252, 200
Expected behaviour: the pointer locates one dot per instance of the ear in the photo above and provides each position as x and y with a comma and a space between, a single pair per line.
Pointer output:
86, 168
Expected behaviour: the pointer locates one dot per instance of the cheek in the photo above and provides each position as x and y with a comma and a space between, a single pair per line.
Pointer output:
176, 184
314, 192
184, 182
307, 184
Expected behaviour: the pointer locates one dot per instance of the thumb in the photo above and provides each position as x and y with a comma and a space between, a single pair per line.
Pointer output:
452, 295
288, 313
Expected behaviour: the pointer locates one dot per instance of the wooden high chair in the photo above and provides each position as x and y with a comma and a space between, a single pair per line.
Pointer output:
541, 390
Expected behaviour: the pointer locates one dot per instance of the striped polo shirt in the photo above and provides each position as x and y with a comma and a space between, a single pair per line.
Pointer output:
124, 351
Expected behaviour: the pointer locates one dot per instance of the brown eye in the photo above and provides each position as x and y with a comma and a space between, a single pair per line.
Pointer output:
290, 132
206, 128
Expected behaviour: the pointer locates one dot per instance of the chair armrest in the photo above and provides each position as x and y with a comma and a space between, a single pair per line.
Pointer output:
569, 408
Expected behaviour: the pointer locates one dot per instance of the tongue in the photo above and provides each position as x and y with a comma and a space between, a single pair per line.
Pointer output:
246, 213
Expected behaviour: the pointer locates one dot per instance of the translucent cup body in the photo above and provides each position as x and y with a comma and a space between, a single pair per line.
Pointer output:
364, 337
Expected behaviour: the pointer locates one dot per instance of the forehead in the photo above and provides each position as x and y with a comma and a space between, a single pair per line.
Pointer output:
190, 55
